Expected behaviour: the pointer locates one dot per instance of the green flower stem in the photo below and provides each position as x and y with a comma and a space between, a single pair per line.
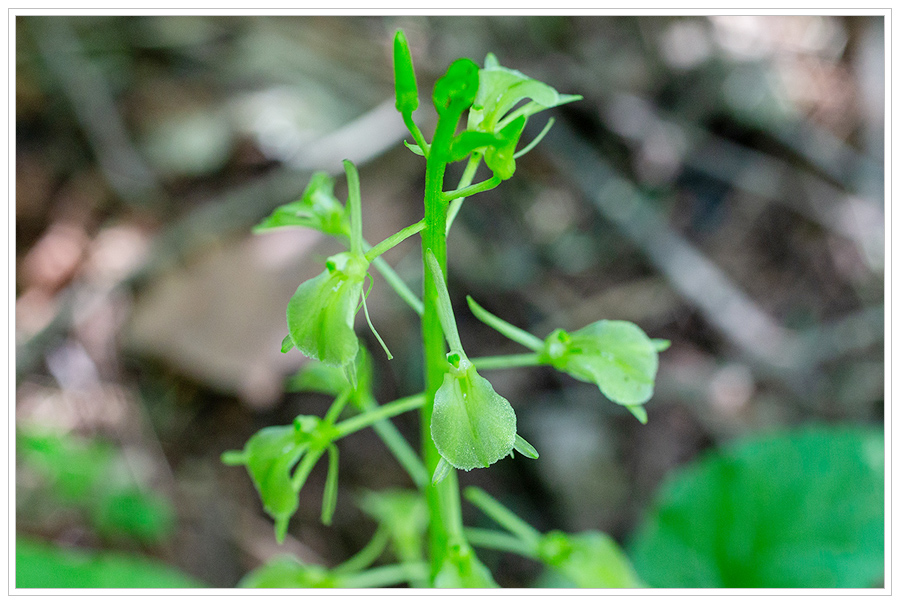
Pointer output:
485, 185
394, 280
401, 449
337, 406
416, 133
445, 523
365, 557
503, 516
386, 575
394, 240
464, 181
510, 331
507, 361
304, 468
503, 542
366, 419
329, 497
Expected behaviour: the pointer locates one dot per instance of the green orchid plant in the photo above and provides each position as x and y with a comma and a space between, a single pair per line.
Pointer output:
465, 423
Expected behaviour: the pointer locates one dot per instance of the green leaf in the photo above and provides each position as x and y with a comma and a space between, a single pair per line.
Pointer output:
288, 572
92, 477
462, 569
269, 455
321, 312
141, 514
74, 468
456, 89
43, 566
795, 509
317, 209
589, 560
616, 355
472, 426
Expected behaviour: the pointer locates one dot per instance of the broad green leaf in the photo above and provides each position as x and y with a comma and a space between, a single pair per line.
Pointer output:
589, 560
472, 426
288, 572
141, 514
456, 89
74, 468
317, 209
91, 476
269, 455
44, 566
462, 569
321, 312
616, 355
795, 509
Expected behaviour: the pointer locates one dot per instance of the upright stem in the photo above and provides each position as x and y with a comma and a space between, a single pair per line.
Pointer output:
445, 522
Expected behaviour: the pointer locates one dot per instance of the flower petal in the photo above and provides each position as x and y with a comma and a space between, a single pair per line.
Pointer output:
472, 426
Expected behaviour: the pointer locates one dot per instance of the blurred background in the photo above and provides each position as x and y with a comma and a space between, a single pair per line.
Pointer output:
721, 185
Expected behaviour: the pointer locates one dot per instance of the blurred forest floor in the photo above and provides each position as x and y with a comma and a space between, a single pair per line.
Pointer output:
721, 185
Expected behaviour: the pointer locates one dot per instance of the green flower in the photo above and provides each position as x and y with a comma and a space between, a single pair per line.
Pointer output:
472, 426
501, 89
617, 356
269, 456
317, 209
321, 312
